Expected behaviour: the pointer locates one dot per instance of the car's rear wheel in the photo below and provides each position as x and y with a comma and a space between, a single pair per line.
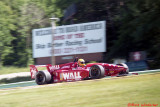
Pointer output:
96, 71
43, 77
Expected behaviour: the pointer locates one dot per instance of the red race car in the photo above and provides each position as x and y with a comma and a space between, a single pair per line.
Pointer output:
75, 71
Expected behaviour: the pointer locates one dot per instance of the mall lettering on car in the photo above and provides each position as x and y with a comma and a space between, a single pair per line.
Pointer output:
71, 75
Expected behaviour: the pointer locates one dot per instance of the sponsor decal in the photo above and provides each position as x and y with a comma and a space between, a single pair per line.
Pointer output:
33, 72
66, 67
88, 68
54, 67
111, 72
112, 65
61, 76
55, 80
70, 76
73, 68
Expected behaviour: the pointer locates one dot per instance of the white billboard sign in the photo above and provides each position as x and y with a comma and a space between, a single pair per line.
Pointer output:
70, 39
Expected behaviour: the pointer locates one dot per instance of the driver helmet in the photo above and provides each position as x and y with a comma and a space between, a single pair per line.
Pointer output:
81, 62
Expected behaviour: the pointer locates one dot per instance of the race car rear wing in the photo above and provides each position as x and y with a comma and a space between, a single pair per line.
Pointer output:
34, 70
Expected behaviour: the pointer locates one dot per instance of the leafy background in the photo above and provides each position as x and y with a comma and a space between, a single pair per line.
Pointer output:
131, 26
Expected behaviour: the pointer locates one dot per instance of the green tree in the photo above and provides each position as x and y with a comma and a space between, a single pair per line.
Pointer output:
21, 17
18, 19
139, 29
6, 27
28, 20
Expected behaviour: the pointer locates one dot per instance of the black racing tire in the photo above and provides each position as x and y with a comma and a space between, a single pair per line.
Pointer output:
96, 72
43, 77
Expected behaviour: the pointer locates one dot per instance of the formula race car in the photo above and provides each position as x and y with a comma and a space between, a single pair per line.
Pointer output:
75, 71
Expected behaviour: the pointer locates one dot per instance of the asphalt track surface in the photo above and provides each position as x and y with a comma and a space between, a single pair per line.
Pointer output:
32, 83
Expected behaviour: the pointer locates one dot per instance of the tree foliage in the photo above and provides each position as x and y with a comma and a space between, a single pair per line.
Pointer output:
6, 27
131, 25
18, 18
140, 30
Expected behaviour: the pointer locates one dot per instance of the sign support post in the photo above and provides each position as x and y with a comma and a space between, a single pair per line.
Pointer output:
53, 19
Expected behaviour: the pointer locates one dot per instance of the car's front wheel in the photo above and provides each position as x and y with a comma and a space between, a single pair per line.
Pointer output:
125, 66
96, 71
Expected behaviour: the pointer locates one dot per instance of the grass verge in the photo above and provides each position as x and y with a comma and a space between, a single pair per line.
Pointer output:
8, 70
115, 92
12, 69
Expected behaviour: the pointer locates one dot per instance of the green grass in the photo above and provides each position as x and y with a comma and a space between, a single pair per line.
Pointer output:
115, 92
12, 69
8, 70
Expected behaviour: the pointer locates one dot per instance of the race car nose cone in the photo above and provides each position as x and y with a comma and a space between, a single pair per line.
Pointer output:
120, 68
